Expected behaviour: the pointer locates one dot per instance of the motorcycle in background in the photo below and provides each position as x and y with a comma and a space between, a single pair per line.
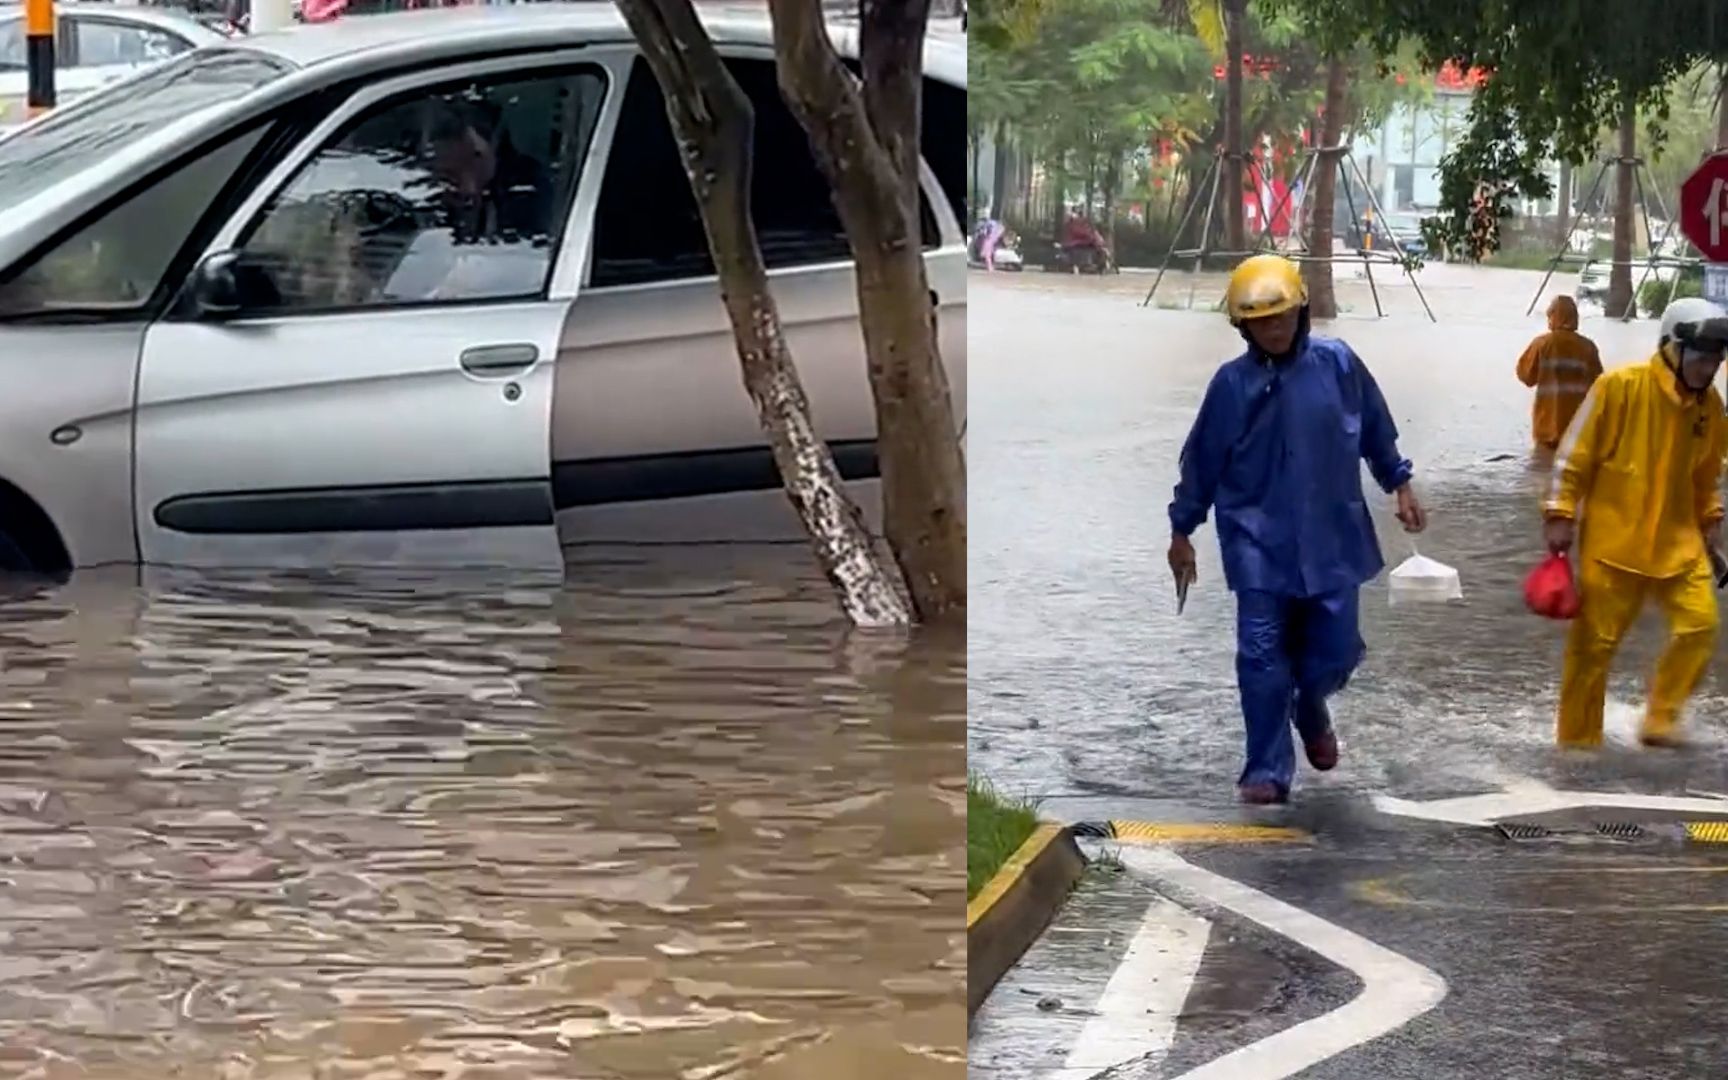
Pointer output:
1081, 259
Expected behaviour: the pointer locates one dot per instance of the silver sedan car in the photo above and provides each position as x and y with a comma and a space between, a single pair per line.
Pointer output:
418, 287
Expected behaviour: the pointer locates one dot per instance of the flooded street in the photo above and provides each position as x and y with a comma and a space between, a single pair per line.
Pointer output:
1385, 925
668, 821
1084, 682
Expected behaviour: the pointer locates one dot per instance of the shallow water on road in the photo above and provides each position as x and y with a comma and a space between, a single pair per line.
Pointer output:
667, 821
1083, 680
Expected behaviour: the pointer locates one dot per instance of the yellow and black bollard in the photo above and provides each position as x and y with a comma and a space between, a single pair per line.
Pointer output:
39, 54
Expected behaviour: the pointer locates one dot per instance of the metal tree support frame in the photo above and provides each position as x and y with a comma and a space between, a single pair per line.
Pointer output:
1652, 256
1347, 167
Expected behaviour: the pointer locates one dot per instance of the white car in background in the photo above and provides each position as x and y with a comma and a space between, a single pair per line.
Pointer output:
94, 44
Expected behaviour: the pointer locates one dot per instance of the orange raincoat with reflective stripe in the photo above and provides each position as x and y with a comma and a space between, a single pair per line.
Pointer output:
1561, 365
1639, 469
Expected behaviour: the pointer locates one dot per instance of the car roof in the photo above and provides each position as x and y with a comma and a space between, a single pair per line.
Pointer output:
431, 33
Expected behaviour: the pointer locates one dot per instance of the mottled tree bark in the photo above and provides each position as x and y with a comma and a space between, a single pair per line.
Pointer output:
714, 125
865, 138
1620, 299
1322, 298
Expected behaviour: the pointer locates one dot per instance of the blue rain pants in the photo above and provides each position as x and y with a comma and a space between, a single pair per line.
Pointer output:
1292, 653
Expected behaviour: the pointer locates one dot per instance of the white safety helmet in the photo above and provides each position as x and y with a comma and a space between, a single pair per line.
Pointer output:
1682, 319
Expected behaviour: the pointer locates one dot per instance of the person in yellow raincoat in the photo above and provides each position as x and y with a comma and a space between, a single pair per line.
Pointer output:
1636, 485
1561, 365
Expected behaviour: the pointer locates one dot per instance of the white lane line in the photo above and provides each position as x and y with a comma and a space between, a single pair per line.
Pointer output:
1536, 799
1135, 1017
1395, 989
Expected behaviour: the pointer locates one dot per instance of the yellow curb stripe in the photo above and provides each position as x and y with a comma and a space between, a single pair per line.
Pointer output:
1154, 832
1009, 872
1707, 832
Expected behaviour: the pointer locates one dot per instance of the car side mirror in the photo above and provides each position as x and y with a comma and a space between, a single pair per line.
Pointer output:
216, 285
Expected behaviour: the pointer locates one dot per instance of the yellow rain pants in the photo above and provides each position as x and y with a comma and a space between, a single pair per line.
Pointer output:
1638, 470
1611, 601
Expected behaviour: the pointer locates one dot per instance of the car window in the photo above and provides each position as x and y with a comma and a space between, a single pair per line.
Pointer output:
454, 193
648, 227
101, 41
116, 263
80, 135
12, 54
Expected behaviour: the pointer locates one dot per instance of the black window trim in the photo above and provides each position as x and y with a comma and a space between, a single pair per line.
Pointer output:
567, 67
766, 54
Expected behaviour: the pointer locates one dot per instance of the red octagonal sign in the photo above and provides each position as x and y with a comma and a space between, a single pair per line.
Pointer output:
1704, 208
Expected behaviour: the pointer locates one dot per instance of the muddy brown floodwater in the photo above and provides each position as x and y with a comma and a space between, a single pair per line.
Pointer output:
667, 821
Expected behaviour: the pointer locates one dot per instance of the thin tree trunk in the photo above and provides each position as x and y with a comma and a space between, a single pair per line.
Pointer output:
1112, 181
1235, 230
1722, 109
1563, 201
1620, 299
999, 194
865, 138
714, 125
1322, 297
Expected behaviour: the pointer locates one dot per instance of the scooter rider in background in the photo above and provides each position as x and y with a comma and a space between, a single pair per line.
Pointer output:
1277, 450
1636, 487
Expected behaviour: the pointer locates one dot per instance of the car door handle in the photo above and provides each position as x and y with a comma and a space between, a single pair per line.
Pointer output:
497, 360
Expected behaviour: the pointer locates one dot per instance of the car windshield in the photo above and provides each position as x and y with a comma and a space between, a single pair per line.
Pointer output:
109, 121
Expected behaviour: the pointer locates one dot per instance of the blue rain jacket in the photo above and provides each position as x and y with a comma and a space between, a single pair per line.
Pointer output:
1276, 450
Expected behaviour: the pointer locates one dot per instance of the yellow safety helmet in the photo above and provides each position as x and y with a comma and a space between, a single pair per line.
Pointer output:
1263, 285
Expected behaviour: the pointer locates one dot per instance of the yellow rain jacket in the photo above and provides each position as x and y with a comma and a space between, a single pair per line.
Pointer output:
1638, 468
1561, 365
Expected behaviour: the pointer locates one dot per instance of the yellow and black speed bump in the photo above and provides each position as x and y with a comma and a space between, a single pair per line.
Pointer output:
1619, 832
1707, 832
1189, 832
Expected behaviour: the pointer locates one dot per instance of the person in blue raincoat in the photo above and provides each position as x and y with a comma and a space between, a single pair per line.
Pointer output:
1276, 454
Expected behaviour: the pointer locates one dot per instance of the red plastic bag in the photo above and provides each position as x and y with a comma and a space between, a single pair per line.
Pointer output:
1549, 591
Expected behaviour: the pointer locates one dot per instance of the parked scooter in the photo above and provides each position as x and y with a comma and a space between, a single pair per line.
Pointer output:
1007, 255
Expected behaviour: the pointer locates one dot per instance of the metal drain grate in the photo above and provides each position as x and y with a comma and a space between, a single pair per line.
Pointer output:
1515, 831
1101, 830
1619, 830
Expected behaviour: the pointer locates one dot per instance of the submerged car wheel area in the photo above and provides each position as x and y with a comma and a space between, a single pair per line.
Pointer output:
425, 287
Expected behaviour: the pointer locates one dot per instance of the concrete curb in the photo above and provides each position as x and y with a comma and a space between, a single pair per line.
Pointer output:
1016, 905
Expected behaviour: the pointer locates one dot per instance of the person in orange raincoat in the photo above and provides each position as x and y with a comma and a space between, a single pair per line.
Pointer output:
1636, 484
1561, 365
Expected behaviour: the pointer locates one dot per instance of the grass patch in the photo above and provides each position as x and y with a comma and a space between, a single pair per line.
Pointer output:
996, 826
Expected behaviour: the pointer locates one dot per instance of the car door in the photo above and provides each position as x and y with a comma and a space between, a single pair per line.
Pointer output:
649, 327
375, 384
73, 318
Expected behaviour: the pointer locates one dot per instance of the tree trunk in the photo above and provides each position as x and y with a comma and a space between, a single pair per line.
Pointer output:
1235, 238
865, 137
1620, 300
1112, 181
1563, 202
714, 125
1722, 109
1322, 298
999, 178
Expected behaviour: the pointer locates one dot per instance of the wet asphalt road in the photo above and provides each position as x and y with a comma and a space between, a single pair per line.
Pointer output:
1087, 691
667, 821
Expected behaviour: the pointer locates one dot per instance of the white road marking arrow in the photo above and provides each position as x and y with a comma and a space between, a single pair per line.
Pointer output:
1395, 989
